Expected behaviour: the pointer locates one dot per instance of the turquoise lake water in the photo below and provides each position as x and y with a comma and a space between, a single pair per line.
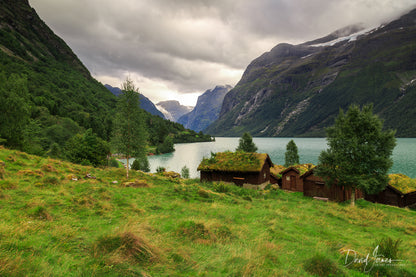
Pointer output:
191, 154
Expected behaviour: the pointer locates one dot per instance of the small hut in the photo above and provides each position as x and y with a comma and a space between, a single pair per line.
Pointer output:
400, 192
314, 186
240, 168
291, 177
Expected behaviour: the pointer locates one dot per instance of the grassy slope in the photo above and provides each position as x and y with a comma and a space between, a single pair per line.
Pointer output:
52, 225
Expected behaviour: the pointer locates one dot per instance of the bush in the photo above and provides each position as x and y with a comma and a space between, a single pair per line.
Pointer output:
185, 172
322, 266
222, 187
141, 164
388, 247
160, 169
113, 163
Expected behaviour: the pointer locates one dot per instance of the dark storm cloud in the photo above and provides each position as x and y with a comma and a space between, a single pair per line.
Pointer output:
192, 45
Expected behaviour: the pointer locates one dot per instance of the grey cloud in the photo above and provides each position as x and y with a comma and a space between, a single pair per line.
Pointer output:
188, 43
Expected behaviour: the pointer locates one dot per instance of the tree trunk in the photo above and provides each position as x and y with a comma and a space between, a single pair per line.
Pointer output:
127, 168
352, 196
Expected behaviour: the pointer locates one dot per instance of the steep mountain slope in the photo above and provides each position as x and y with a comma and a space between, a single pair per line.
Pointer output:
297, 90
172, 109
58, 83
145, 102
207, 109
59, 95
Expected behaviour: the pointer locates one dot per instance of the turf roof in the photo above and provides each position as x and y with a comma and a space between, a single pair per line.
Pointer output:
234, 161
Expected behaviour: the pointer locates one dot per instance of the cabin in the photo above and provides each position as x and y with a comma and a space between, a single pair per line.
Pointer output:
241, 168
400, 192
291, 177
314, 186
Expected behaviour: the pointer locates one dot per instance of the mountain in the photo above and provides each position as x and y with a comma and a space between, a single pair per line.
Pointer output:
41, 77
145, 102
297, 90
173, 110
63, 96
207, 109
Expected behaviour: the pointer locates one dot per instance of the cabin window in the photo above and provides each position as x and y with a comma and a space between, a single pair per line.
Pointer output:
287, 178
265, 175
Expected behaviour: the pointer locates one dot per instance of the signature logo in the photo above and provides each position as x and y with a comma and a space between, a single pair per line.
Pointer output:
369, 261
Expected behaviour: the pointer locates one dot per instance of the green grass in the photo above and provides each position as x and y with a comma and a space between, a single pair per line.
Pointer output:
52, 225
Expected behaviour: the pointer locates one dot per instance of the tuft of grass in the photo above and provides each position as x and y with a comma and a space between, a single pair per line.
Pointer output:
388, 247
320, 265
128, 246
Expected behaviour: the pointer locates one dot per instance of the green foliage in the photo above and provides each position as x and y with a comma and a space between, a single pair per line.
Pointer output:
291, 154
359, 154
167, 146
388, 247
185, 172
320, 265
129, 133
160, 169
87, 149
141, 163
14, 109
113, 163
246, 144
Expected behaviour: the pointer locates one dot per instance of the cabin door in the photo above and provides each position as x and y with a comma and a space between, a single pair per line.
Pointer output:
292, 182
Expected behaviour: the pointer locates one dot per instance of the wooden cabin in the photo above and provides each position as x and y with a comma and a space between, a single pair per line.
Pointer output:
240, 168
314, 186
291, 179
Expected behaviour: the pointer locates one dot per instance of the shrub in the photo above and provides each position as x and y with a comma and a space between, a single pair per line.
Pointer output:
141, 164
160, 169
203, 193
113, 163
185, 172
322, 266
388, 247
222, 187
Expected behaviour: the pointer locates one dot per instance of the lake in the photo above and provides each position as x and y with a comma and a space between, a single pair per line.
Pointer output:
191, 154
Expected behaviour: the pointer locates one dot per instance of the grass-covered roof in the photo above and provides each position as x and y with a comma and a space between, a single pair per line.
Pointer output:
234, 161
402, 183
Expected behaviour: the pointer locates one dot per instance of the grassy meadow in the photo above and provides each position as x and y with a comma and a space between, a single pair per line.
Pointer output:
62, 219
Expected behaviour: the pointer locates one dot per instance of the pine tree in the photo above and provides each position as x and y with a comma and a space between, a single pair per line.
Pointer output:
359, 153
246, 144
129, 133
291, 155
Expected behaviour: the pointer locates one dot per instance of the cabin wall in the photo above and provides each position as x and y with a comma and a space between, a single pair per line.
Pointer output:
388, 196
314, 186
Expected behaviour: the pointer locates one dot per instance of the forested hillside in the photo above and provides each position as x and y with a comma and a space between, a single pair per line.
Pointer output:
47, 96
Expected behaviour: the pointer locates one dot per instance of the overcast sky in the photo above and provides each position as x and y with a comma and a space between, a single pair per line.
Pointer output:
177, 49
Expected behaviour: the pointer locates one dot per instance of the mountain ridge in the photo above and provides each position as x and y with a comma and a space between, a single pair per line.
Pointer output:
207, 109
297, 90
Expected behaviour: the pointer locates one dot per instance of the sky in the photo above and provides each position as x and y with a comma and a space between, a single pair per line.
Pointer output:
177, 49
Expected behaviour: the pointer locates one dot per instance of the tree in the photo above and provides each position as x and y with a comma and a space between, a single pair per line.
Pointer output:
14, 110
246, 144
129, 133
167, 146
359, 153
87, 149
141, 164
291, 155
